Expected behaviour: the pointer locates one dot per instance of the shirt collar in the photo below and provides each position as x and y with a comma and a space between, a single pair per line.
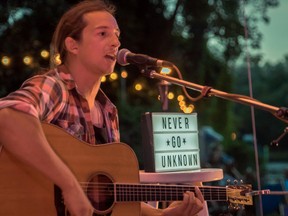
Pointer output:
66, 77
70, 84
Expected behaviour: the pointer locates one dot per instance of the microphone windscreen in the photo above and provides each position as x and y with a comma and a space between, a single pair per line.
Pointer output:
121, 57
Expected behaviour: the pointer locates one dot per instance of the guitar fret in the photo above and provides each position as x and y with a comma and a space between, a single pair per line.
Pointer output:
128, 193
154, 197
145, 192
132, 193
124, 198
133, 198
135, 193
122, 193
151, 195
214, 195
165, 194
142, 194
177, 193
158, 195
117, 194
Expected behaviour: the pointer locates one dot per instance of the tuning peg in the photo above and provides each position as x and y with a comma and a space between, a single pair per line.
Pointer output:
233, 207
235, 182
228, 181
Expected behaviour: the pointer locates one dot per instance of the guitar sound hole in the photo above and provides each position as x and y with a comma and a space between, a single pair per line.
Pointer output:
100, 192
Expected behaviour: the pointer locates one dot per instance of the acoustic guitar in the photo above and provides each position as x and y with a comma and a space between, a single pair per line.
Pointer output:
108, 173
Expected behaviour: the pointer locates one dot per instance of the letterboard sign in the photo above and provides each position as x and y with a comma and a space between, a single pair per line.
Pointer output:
170, 142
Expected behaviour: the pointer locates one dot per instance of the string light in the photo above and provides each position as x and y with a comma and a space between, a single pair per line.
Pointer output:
27, 60
45, 54
56, 59
124, 74
6, 61
180, 98
170, 95
183, 106
188, 109
182, 103
138, 87
103, 79
113, 76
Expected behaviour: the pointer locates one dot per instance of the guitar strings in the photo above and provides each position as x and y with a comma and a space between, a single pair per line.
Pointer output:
153, 185
151, 189
146, 186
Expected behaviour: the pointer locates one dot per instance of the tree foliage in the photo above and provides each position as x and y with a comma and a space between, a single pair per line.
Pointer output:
269, 87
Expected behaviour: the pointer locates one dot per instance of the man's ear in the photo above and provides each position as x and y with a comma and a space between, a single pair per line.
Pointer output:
71, 45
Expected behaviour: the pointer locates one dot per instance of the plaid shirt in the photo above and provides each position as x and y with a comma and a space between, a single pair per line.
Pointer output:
53, 98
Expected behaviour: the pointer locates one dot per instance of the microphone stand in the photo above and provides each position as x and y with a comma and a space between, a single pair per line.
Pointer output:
206, 91
279, 112
163, 88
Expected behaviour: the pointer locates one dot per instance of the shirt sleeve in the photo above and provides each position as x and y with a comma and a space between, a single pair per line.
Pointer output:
41, 96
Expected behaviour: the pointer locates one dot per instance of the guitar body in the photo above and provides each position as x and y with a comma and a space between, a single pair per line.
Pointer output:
25, 191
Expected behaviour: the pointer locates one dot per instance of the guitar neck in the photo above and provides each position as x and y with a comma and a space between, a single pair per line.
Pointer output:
152, 192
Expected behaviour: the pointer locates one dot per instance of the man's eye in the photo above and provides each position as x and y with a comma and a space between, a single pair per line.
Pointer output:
102, 33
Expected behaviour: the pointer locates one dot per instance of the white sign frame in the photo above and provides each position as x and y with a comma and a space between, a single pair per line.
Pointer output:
170, 142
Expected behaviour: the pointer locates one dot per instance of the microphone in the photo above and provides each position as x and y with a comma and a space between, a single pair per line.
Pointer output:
125, 57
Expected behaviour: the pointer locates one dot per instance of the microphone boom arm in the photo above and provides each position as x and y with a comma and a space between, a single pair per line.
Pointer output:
281, 113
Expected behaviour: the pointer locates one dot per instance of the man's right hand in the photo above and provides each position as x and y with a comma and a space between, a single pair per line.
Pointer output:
77, 202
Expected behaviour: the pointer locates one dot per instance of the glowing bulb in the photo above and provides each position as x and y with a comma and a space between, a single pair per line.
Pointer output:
188, 110
45, 54
170, 95
192, 107
124, 74
180, 98
138, 87
27, 60
103, 79
182, 103
6, 60
114, 76
57, 59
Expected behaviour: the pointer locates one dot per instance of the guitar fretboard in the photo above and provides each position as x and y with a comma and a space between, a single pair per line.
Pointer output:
151, 192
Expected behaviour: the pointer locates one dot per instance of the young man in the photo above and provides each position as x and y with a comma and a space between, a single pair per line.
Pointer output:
69, 95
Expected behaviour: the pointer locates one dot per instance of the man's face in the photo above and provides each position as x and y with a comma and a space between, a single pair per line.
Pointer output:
99, 43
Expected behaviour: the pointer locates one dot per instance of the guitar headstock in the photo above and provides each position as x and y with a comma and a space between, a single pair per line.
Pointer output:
239, 195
